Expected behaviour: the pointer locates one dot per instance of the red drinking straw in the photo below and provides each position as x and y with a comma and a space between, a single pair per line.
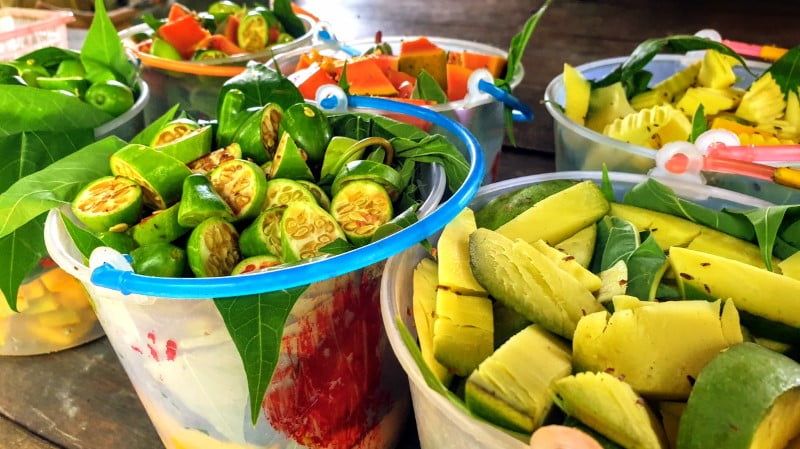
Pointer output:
765, 52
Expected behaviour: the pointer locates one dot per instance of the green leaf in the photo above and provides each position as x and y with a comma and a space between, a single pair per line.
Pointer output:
55, 185
766, 222
655, 196
638, 83
149, 133
520, 42
427, 88
291, 23
21, 252
45, 110
699, 123
603, 229
784, 249
647, 50
622, 241
786, 71
436, 150
338, 246
85, 241
255, 324
102, 49
343, 83
606, 187
261, 86
49, 57
644, 269
407, 169
401, 221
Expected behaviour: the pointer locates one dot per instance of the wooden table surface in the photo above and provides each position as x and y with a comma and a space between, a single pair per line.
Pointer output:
81, 398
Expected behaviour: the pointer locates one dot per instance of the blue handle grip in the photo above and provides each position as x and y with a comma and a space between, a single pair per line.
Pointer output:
305, 273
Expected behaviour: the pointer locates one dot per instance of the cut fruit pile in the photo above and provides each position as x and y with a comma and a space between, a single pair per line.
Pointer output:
763, 114
554, 305
378, 72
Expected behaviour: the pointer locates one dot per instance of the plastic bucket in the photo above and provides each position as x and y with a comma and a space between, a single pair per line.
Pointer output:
336, 384
439, 422
195, 85
483, 115
580, 148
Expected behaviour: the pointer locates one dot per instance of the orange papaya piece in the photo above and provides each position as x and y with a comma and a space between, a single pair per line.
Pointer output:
385, 62
421, 54
403, 82
308, 80
366, 78
457, 77
496, 65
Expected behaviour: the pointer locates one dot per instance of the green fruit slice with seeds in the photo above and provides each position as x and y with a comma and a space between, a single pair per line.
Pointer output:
252, 32
305, 228
159, 259
255, 264
282, 192
270, 128
249, 138
213, 248
361, 208
322, 198
184, 140
263, 236
289, 162
108, 203
368, 170
242, 185
747, 397
159, 174
210, 161
200, 201
159, 227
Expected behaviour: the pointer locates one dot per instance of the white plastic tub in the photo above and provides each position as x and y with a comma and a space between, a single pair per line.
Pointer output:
439, 422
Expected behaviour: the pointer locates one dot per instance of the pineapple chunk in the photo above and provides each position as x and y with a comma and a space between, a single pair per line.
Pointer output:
763, 102
654, 97
676, 84
716, 71
713, 100
651, 128
577, 91
792, 114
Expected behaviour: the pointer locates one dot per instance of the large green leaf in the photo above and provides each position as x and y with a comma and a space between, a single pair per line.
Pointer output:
786, 71
621, 241
644, 269
255, 323
103, 51
427, 88
55, 185
21, 252
44, 110
436, 150
49, 57
85, 240
520, 42
766, 223
655, 196
28, 152
261, 86
291, 23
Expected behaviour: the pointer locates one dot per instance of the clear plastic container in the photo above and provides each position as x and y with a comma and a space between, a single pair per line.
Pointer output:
439, 422
195, 85
580, 148
336, 384
484, 118
23, 30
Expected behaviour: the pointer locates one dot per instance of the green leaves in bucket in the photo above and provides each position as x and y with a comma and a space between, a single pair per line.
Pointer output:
699, 123
102, 52
255, 323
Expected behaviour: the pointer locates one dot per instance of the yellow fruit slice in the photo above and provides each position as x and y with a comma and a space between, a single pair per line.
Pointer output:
577, 91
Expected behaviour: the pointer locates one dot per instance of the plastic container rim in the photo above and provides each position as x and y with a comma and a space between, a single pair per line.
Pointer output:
108, 128
557, 84
127, 282
451, 42
45, 20
216, 67
389, 313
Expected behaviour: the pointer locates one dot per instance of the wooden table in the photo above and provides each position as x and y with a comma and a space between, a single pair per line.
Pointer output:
81, 398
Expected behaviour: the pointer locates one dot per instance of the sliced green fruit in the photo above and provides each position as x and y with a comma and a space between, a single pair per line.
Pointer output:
270, 128
70, 67
108, 203
213, 248
650, 98
163, 49
507, 323
120, 241
74, 84
282, 192
713, 100
581, 245
252, 33
263, 236
210, 161
159, 259
454, 256
568, 263
658, 348
200, 202
577, 92
255, 264
747, 397
720, 244
305, 228
184, 140
322, 198
607, 104
309, 128
763, 102
110, 96
159, 174
242, 185
525, 280
462, 331
755, 291
289, 162
424, 285
610, 406
503, 208
558, 216
368, 170
248, 136
361, 208
511, 388
159, 227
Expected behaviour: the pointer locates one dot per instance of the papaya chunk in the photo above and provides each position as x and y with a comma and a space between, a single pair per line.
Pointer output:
496, 65
403, 82
385, 62
457, 78
310, 79
366, 78
421, 54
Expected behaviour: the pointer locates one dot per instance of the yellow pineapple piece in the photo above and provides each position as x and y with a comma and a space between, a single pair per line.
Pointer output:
763, 102
676, 84
792, 114
653, 97
651, 128
713, 100
577, 91
716, 71
762, 139
781, 128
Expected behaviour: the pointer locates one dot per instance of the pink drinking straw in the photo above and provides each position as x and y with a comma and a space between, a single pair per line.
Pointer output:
750, 153
679, 163
766, 52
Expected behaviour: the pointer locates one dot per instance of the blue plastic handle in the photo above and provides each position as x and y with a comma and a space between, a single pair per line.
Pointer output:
326, 36
520, 112
128, 282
